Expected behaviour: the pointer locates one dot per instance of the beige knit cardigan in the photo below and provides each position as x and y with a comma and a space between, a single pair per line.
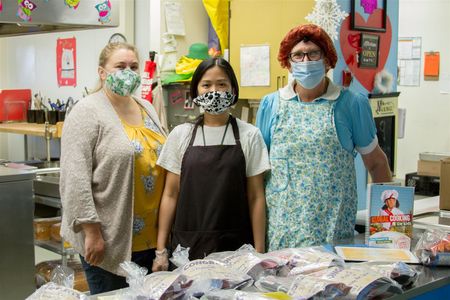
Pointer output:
97, 176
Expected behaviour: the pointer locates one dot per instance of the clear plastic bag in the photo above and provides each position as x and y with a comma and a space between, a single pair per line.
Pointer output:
53, 291
303, 287
180, 256
365, 284
216, 273
402, 273
305, 260
238, 295
158, 285
63, 276
247, 260
433, 248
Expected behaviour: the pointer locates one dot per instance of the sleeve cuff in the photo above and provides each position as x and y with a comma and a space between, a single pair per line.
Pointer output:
369, 148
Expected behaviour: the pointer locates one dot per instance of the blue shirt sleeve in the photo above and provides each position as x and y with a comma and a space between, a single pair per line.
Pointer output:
266, 116
355, 125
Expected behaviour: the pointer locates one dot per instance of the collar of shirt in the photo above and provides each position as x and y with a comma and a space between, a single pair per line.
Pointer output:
332, 93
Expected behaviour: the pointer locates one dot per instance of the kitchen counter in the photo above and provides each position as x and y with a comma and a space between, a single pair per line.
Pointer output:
431, 283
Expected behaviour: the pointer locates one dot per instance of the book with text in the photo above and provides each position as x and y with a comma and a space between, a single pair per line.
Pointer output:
389, 216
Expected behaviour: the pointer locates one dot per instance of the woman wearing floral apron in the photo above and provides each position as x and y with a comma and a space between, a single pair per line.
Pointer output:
313, 130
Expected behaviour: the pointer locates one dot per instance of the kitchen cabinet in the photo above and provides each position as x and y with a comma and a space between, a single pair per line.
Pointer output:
16, 231
264, 22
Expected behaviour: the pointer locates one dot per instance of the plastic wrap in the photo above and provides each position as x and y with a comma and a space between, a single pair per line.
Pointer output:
217, 273
242, 295
304, 287
365, 284
305, 260
52, 291
64, 276
400, 272
180, 256
433, 248
247, 260
159, 285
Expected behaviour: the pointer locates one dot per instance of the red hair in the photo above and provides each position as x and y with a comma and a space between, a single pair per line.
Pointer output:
307, 32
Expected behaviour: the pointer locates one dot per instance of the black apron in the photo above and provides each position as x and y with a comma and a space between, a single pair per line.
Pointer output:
212, 211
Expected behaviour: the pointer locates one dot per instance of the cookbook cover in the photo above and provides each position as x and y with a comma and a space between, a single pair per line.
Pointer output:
389, 216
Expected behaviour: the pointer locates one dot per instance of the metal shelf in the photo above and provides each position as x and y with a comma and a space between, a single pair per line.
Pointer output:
49, 201
56, 247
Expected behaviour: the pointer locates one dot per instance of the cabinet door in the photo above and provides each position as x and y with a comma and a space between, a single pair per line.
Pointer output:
264, 22
256, 22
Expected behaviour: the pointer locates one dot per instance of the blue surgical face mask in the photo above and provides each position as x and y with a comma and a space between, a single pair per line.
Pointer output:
308, 73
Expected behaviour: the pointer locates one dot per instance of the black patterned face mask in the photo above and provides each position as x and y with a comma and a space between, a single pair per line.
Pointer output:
215, 102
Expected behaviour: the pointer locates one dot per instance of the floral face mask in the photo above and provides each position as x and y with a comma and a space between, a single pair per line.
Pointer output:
215, 102
123, 82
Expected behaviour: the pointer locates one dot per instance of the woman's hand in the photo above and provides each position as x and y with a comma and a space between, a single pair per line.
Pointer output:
161, 262
94, 244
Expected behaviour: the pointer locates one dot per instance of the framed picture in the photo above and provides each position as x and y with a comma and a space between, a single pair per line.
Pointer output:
368, 57
370, 11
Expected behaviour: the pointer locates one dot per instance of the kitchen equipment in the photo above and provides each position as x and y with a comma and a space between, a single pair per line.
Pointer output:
54, 16
14, 104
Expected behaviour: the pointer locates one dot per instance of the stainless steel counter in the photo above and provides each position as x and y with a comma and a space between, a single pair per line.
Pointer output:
16, 233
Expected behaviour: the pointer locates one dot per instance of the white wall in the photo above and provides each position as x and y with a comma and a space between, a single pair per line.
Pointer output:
29, 61
428, 111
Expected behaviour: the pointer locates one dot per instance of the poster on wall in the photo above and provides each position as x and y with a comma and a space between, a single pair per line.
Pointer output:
409, 56
66, 62
255, 65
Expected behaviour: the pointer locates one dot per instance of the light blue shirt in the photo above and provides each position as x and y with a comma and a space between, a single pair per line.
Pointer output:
353, 118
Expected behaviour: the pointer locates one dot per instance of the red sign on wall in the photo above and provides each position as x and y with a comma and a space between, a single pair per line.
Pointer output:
66, 62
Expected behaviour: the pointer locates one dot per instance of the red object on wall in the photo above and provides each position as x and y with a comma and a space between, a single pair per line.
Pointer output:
66, 62
14, 104
147, 80
350, 51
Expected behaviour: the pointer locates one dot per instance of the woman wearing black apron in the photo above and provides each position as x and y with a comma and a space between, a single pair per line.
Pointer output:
213, 198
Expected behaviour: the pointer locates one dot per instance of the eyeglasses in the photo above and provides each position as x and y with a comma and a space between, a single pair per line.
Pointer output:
300, 56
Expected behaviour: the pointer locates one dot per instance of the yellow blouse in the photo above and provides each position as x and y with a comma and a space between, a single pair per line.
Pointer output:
148, 181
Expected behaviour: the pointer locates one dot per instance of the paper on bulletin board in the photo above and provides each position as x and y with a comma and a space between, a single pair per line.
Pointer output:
409, 48
431, 66
409, 72
255, 65
174, 18
409, 56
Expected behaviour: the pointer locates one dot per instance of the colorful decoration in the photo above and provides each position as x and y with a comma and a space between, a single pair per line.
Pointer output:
349, 42
25, 7
72, 3
66, 62
328, 15
1, 6
104, 11
217, 11
369, 6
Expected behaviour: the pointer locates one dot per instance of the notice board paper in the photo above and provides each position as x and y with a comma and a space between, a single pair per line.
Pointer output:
431, 66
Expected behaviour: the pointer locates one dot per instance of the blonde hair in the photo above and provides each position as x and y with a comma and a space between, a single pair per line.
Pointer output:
106, 53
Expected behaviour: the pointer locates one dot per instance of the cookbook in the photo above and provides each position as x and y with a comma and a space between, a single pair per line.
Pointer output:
389, 216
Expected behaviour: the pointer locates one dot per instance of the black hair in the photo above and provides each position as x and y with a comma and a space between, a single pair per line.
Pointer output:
208, 64
397, 205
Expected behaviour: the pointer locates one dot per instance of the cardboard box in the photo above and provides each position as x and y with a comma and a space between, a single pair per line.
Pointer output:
429, 168
444, 191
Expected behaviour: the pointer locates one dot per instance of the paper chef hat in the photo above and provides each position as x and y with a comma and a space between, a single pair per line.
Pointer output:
389, 194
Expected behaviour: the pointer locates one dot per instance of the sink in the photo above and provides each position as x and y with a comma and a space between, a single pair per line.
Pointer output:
47, 183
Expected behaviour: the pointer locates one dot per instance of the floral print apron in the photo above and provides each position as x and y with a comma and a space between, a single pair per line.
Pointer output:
311, 191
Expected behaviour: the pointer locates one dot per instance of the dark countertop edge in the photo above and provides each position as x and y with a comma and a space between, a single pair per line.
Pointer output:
417, 291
